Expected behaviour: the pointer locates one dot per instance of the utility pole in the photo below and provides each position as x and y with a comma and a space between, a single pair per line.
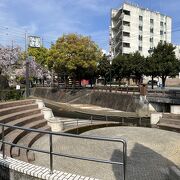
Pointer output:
27, 67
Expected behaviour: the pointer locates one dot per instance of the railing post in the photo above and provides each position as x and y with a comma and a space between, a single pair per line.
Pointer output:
124, 159
51, 155
3, 144
140, 120
77, 127
106, 121
91, 122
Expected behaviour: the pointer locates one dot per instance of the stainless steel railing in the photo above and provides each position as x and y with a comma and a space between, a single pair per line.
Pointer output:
52, 153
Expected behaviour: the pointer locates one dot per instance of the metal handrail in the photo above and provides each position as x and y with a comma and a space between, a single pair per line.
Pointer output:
51, 153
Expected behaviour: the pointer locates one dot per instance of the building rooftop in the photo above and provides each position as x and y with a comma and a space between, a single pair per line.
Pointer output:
145, 9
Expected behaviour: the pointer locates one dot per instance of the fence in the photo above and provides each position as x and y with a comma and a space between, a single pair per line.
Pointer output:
51, 153
77, 126
117, 89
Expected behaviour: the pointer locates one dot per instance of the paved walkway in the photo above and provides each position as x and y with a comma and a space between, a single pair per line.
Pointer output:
150, 153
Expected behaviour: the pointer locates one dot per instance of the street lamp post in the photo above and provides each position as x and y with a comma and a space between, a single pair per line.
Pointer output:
110, 75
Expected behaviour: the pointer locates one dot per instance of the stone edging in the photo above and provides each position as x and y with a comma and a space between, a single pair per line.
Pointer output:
38, 171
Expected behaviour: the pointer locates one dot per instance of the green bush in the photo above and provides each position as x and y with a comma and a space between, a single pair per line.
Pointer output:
11, 94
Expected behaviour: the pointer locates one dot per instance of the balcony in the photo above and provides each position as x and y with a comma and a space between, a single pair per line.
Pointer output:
127, 50
126, 39
126, 18
126, 28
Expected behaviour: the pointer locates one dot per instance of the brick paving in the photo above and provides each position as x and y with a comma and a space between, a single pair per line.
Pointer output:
150, 153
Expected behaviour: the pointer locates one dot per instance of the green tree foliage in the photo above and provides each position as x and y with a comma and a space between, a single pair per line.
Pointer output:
74, 55
164, 61
103, 68
121, 67
40, 54
137, 66
151, 69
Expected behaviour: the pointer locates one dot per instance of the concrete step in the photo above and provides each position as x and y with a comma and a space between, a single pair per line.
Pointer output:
15, 135
17, 109
169, 121
170, 127
171, 116
21, 122
16, 103
27, 141
17, 115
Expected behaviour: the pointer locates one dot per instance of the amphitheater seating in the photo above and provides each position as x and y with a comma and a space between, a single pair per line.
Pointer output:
24, 113
170, 121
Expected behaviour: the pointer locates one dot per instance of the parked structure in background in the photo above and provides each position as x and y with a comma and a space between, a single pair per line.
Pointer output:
177, 51
137, 29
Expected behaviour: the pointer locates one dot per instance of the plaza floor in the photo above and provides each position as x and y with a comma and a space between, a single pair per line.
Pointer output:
150, 153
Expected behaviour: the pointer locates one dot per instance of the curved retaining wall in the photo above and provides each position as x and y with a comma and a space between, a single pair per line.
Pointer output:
123, 102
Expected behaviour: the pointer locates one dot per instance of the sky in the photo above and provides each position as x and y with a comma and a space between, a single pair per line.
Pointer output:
50, 19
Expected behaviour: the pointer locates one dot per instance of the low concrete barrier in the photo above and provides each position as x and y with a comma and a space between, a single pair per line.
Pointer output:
12, 169
55, 124
155, 117
174, 173
175, 109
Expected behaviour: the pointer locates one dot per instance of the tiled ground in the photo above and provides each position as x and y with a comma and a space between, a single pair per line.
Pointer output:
150, 153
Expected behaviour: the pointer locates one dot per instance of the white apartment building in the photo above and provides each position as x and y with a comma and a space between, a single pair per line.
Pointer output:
137, 29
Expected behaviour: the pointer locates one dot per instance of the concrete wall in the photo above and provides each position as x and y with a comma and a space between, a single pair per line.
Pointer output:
123, 102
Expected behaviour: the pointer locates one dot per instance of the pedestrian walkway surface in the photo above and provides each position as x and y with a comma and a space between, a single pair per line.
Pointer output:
150, 153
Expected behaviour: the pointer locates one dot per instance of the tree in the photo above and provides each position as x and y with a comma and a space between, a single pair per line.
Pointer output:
8, 58
40, 55
74, 54
151, 69
121, 67
103, 68
137, 65
167, 64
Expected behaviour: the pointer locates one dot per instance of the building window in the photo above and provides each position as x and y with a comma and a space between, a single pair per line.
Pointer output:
151, 30
140, 38
126, 23
127, 34
140, 48
151, 39
126, 45
140, 18
151, 21
127, 12
161, 32
140, 28
161, 24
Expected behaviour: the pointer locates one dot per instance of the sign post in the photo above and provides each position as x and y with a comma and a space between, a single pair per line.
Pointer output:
33, 42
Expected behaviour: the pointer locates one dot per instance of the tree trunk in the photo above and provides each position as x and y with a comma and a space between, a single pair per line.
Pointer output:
152, 80
163, 81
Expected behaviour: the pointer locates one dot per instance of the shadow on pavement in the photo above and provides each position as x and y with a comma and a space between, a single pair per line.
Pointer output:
142, 164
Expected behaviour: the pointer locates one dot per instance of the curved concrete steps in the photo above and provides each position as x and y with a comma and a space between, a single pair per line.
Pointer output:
16, 134
21, 122
14, 103
28, 140
14, 116
25, 114
170, 122
19, 108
